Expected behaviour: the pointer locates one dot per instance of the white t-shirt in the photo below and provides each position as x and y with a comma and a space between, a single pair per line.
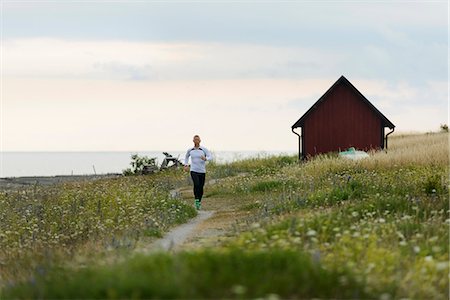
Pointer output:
197, 163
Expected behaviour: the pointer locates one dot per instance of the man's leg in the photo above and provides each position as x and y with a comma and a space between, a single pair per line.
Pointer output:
202, 177
196, 180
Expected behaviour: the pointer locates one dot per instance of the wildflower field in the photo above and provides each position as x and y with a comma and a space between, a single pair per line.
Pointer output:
46, 225
377, 228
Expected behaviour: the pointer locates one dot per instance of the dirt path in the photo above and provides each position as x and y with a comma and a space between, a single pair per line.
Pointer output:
213, 224
178, 235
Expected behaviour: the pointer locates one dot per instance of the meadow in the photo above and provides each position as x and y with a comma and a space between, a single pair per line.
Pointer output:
47, 225
377, 228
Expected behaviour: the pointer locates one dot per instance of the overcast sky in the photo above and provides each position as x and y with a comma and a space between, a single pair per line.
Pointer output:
148, 75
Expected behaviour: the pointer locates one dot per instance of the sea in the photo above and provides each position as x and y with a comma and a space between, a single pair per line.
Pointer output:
24, 164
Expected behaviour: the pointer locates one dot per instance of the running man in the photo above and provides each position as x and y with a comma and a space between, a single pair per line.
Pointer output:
199, 156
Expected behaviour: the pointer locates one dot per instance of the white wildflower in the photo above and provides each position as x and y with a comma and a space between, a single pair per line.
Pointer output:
433, 239
385, 296
400, 235
436, 249
442, 265
297, 240
239, 289
256, 225
311, 232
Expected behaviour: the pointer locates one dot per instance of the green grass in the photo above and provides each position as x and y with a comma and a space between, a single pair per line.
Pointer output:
193, 275
327, 228
57, 222
389, 226
259, 166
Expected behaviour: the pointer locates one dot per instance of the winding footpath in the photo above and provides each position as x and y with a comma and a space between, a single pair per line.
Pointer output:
178, 235
213, 224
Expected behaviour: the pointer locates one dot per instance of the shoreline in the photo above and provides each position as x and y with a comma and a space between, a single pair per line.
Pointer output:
22, 181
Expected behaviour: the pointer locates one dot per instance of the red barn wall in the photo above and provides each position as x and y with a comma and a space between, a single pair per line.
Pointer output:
341, 121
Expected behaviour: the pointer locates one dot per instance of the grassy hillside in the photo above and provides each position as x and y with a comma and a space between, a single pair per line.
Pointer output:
42, 225
327, 228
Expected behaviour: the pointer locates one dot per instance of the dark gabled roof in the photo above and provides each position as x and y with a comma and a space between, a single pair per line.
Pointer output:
343, 80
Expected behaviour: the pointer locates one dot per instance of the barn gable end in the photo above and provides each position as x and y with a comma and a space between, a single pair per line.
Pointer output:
340, 119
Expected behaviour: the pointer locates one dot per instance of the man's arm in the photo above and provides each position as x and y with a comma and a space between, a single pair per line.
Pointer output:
186, 158
208, 154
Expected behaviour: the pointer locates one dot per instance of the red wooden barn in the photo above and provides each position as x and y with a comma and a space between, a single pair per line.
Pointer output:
340, 119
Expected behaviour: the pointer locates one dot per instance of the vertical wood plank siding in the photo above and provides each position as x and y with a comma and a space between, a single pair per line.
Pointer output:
341, 121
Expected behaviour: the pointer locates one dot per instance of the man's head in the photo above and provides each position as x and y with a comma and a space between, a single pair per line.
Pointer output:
196, 140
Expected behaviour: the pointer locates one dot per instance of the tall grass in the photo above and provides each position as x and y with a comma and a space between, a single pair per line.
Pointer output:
327, 228
41, 224
386, 217
204, 274
431, 149
256, 166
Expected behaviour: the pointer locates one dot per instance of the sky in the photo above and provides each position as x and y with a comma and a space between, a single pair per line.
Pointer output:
148, 75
